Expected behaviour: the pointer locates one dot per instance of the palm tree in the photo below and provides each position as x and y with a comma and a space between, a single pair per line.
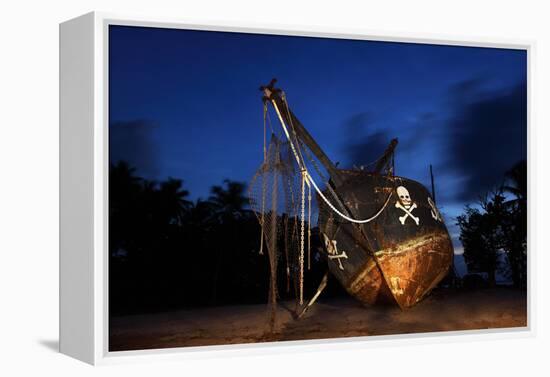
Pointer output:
172, 200
122, 181
517, 178
229, 201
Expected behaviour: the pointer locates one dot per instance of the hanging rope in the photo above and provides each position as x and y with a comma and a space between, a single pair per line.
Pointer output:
265, 131
364, 221
262, 220
309, 179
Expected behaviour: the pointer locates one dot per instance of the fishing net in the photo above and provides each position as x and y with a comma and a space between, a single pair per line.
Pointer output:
282, 203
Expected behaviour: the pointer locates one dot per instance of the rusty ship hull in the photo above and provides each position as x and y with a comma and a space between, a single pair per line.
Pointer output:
401, 255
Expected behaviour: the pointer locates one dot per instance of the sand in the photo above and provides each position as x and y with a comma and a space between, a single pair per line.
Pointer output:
443, 310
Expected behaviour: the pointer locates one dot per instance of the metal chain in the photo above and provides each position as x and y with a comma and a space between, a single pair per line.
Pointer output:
309, 229
302, 236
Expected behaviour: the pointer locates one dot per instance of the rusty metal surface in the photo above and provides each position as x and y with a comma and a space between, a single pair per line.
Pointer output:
401, 255
415, 267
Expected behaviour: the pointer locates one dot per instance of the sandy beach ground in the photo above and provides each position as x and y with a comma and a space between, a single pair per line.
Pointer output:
443, 310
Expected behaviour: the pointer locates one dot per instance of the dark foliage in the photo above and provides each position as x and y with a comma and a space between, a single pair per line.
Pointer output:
498, 227
167, 252
473, 281
516, 224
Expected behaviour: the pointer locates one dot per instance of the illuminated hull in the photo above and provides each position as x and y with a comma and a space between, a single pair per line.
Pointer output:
401, 255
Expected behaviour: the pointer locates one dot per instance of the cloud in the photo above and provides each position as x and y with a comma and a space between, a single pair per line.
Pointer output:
472, 135
134, 142
364, 147
487, 135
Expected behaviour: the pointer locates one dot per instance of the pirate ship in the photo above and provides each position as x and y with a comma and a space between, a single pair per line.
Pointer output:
384, 238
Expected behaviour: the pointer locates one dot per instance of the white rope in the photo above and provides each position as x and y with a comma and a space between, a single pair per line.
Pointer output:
340, 213
309, 179
300, 164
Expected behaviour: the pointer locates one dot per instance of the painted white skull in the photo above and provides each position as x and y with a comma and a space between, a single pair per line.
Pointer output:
330, 245
404, 196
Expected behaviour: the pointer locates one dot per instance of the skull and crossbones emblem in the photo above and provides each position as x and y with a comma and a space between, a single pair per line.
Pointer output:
332, 250
406, 204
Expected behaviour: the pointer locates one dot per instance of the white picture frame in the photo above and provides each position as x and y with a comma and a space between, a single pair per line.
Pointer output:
84, 191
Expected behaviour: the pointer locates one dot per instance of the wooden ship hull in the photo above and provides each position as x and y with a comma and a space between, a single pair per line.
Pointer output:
398, 257
401, 251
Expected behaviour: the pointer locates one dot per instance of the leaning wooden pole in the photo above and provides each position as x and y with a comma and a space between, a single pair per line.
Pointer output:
433, 185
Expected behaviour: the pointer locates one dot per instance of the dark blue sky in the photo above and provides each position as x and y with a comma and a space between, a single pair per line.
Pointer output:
186, 104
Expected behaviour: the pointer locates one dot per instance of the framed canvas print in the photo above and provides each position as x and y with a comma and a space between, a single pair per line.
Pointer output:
225, 188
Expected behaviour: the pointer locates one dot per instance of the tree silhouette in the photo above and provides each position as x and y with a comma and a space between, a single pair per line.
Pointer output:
124, 190
516, 224
172, 200
498, 227
517, 183
479, 234
168, 252
228, 204
229, 201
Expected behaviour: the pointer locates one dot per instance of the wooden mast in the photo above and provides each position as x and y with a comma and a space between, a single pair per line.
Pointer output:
433, 185
388, 153
273, 94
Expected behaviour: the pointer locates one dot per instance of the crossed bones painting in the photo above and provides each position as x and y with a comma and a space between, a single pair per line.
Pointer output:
267, 188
